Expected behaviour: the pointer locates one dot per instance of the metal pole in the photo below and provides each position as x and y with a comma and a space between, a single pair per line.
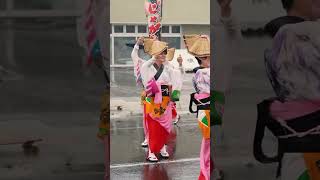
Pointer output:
159, 33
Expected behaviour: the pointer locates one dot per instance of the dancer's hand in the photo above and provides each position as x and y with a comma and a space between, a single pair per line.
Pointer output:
225, 7
140, 40
180, 60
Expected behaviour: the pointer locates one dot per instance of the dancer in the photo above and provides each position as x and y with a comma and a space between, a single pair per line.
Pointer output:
178, 73
199, 46
157, 80
293, 116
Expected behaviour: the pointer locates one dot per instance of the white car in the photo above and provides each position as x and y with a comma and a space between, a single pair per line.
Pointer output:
189, 61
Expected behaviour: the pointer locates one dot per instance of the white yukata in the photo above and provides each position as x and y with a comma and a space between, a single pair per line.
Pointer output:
137, 64
148, 71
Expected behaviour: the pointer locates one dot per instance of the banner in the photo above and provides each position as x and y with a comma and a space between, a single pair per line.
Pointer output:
153, 10
89, 23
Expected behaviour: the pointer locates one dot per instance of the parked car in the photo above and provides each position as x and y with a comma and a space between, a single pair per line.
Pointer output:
189, 61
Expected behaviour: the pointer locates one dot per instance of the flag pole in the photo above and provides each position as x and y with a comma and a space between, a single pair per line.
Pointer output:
153, 10
160, 19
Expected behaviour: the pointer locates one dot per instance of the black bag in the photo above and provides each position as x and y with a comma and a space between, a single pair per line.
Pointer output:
308, 143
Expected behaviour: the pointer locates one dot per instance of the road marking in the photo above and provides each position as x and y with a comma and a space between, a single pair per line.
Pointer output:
131, 128
126, 165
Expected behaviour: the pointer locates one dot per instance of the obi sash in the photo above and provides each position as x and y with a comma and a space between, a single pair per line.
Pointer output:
202, 101
294, 136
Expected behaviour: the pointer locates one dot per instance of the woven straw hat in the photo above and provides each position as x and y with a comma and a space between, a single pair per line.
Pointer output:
197, 45
147, 42
155, 47
170, 54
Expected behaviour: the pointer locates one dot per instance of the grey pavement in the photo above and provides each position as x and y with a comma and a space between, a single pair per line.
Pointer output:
47, 95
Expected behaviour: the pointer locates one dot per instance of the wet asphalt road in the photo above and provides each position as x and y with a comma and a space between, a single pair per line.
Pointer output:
128, 158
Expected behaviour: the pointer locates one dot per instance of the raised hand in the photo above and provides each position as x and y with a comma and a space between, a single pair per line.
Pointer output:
140, 40
180, 60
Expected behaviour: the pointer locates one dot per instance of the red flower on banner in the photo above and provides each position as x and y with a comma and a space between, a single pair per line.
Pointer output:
153, 19
153, 8
154, 28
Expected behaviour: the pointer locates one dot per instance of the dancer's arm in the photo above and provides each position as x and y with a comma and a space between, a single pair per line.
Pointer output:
134, 54
227, 36
146, 74
181, 67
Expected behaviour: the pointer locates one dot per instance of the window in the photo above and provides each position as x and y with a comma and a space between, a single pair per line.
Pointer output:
165, 29
122, 42
130, 29
122, 52
175, 29
118, 29
142, 29
174, 42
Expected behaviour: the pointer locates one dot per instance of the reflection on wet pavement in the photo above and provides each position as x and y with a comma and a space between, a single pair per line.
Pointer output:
128, 158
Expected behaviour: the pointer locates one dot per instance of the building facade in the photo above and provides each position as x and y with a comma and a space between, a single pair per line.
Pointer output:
128, 21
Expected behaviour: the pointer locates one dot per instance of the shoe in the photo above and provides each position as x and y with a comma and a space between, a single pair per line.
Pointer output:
144, 143
152, 157
164, 152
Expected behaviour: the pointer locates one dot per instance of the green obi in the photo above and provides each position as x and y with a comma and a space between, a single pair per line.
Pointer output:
175, 96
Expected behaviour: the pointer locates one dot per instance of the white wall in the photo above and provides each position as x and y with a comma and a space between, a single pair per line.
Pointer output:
174, 11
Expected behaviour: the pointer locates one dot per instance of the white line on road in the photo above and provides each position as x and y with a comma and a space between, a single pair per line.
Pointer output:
149, 163
130, 128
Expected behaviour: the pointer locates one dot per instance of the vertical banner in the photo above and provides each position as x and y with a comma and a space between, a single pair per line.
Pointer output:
103, 34
153, 10
89, 24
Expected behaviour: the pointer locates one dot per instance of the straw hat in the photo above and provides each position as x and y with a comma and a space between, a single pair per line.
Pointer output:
170, 54
197, 45
147, 42
155, 47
